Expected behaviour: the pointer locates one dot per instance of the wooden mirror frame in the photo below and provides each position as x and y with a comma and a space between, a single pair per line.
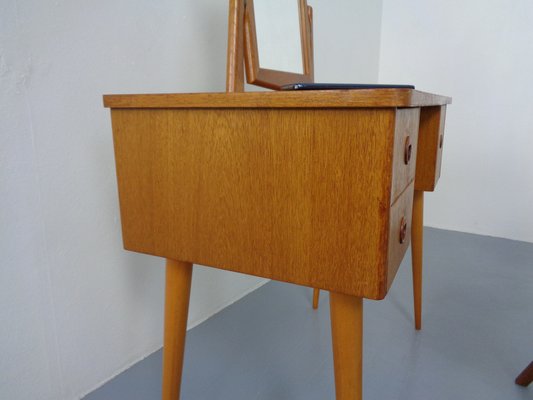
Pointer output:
270, 78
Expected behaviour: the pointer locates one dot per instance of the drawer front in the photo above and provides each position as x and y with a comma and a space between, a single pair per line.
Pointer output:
399, 231
430, 143
440, 144
405, 150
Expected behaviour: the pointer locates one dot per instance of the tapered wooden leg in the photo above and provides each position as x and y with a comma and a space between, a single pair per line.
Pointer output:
346, 314
177, 291
526, 377
316, 295
417, 236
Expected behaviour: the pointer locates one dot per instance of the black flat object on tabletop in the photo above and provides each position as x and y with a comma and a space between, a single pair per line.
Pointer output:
341, 86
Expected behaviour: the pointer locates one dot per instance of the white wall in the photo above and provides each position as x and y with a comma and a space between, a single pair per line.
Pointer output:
481, 53
347, 40
74, 307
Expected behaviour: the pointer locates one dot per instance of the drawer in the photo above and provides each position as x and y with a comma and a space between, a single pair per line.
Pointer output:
399, 231
405, 150
430, 142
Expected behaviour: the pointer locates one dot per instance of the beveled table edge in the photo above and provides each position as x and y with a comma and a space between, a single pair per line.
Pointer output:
281, 99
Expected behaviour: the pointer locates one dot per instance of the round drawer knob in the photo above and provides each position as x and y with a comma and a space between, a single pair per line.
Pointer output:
403, 230
408, 150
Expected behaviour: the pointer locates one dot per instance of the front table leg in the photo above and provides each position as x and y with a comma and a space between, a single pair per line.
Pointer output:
177, 291
346, 313
417, 236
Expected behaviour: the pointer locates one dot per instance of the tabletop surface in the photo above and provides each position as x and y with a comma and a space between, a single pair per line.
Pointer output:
281, 99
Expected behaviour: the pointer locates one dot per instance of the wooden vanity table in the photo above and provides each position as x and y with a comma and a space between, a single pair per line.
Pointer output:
313, 188
317, 188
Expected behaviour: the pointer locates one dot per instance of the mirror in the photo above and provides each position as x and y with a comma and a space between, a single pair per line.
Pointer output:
277, 27
278, 42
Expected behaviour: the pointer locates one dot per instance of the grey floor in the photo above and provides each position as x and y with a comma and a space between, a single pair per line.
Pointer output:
477, 336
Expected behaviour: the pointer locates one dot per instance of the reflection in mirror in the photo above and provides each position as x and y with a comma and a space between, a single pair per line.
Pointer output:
277, 24
278, 42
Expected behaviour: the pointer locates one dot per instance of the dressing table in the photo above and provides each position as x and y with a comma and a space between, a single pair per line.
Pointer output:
314, 188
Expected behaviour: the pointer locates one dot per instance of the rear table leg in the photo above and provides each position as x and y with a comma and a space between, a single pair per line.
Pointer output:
417, 236
316, 294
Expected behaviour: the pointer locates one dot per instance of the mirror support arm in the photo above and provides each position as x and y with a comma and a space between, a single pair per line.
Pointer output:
235, 61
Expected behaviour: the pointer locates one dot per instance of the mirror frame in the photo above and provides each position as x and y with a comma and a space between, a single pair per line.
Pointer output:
270, 78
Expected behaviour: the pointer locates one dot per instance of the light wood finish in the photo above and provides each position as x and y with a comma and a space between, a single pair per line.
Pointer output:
417, 243
177, 293
430, 143
403, 174
310, 43
316, 296
526, 377
401, 211
400, 219
346, 314
405, 145
272, 192
303, 187
235, 60
269, 78
404, 165
428, 164
382, 98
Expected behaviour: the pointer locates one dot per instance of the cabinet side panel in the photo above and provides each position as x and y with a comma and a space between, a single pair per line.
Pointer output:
295, 195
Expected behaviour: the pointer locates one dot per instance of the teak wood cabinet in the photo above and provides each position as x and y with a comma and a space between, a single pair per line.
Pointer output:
314, 188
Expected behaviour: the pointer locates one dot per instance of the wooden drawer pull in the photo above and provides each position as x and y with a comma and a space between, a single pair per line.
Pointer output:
403, 230
441, 140
408, 150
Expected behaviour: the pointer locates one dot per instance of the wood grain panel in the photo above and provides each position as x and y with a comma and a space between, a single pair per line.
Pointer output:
402, 209
281, 99
301, 196
430, 141
405, 140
